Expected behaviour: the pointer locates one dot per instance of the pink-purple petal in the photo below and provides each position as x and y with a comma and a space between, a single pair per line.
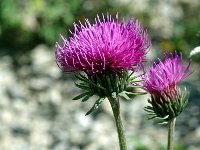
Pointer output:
107, 44
166, 75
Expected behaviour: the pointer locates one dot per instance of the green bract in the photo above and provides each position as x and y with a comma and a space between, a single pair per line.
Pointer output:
107, 84
160, 108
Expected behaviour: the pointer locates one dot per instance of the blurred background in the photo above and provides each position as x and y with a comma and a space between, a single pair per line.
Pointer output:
36, 107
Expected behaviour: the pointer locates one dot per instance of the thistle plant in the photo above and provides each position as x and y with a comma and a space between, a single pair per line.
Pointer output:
167, 100
104, 56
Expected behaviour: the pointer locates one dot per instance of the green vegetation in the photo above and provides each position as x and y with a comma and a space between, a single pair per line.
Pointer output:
24, 24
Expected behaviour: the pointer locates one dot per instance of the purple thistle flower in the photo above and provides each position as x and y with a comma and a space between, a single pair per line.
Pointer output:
104, 45
163, 78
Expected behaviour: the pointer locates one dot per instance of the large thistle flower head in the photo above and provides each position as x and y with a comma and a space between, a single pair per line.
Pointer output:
105, 45
162, 81
105, 51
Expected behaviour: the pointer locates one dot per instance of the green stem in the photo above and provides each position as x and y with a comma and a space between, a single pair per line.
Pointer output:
114, 102
171, 126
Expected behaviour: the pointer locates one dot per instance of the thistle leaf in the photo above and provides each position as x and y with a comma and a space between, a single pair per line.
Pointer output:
149, 107
124, 95
81, 77
133, 93
97, 86
81, 86
164, 122
151, 117
148, 110
134, 86
95, 106
87, 97
81, 96
185, 96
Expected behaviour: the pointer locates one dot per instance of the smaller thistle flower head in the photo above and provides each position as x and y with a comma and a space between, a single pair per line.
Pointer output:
162, 83
164, 77
105, 45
